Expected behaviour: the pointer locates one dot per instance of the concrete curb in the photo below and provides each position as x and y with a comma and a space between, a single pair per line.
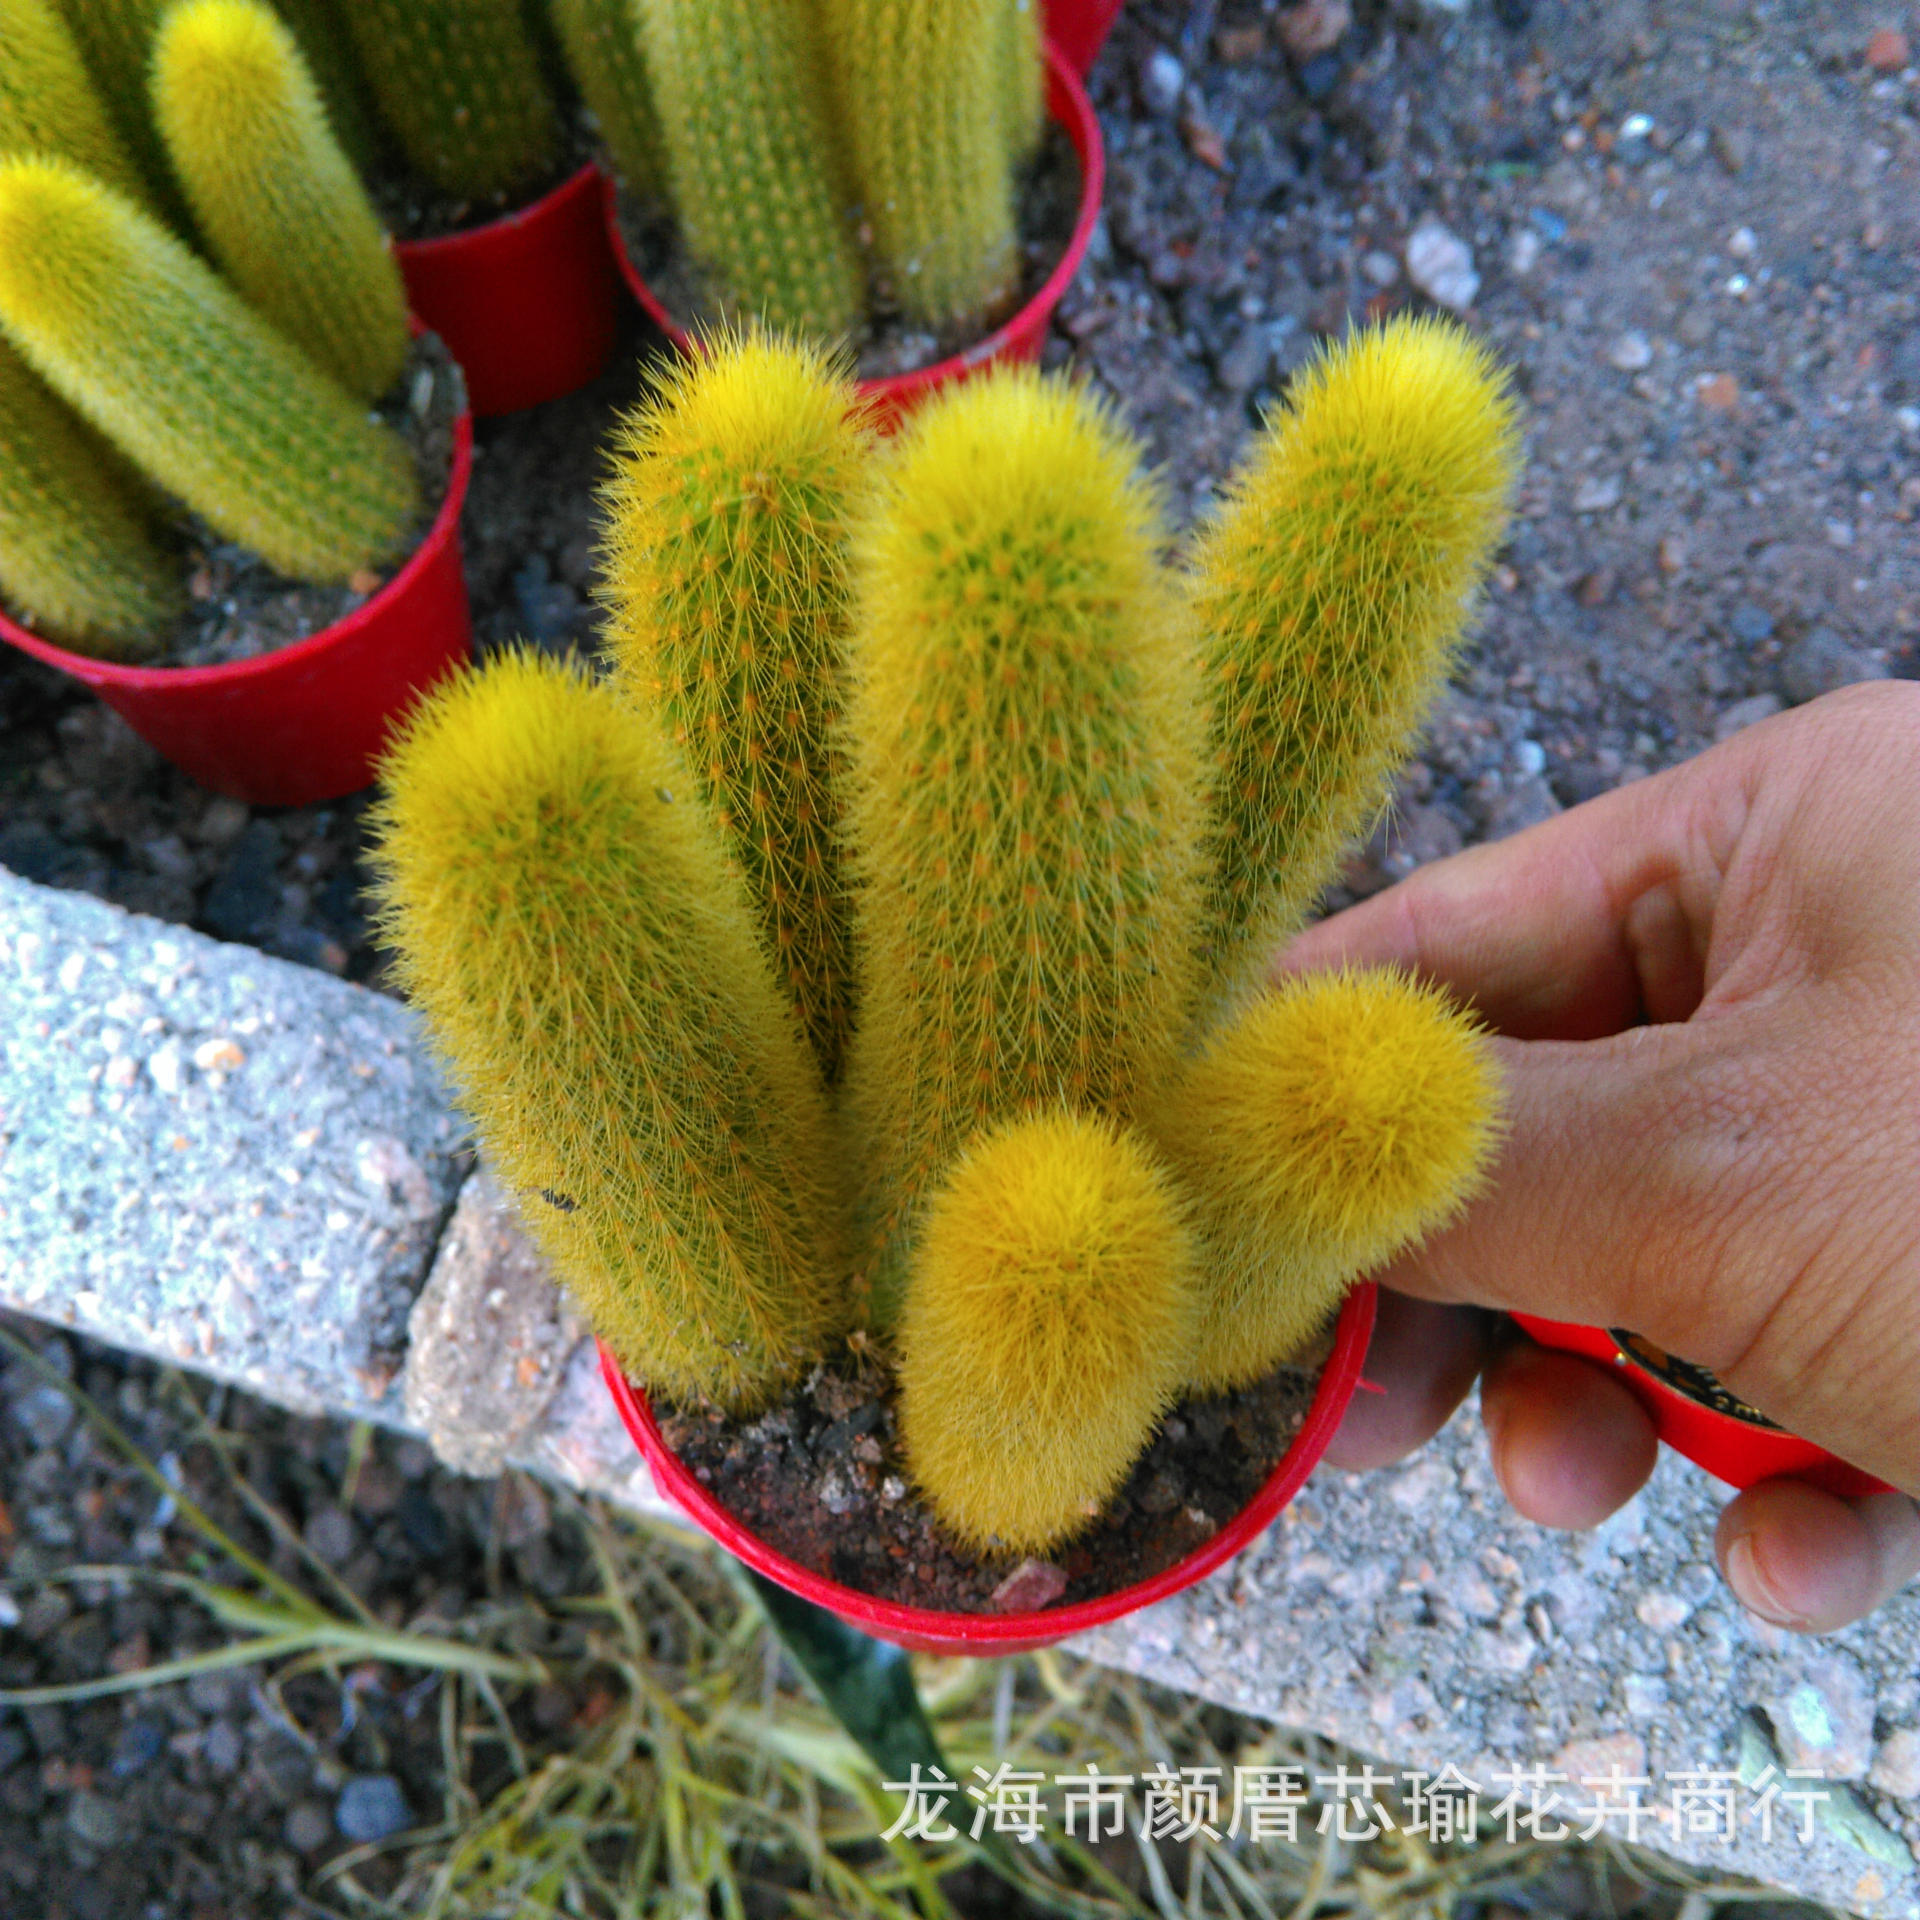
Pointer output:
249, 1168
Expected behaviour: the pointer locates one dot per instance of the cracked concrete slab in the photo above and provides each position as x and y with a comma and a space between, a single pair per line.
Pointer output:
244, 1166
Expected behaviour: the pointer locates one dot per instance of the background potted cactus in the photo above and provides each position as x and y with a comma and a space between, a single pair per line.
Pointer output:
876, 955
839, 159
140, 386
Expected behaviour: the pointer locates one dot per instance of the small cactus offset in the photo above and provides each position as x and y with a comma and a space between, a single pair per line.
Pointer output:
728, 580
572, 933
1329, 1123
608, 60
140, 337
280, 205
460, 83
77, 556
933, 160
1049, 1324
49, 102
1332, 591
753, 161
1024, 731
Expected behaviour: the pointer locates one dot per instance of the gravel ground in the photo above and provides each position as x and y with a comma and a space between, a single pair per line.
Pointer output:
1691, 230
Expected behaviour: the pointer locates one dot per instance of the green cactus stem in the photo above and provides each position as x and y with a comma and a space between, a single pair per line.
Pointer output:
143, 339
608, 59
729, 521
280, 205
49, 102
575, 939
757, 178
924, 89
461, 85
1024, 741
78, 558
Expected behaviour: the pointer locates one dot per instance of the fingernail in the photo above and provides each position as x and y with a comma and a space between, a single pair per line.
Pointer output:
1755, 1591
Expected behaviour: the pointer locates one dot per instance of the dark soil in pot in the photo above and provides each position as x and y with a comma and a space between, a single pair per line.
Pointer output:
822, 1479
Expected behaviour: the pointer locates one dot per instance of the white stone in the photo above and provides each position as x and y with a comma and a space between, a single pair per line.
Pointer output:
1440, 264
1596, 493
1631, 352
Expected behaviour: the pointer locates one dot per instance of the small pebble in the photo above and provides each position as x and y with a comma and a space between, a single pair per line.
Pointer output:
308, 1827
1896, 1767
222, 1749
1380, 266
371, 1807
1033, 1584
1743, 713
1314, 27
1742, 244
1750, 624
1440, 264
1888, 51
1823, 1717
1161, 79
44, 1414
1631, 352
1596, 493
1821, 661
93, 1819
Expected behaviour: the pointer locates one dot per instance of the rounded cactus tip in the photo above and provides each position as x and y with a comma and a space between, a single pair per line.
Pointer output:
1037, 479
746, 386
1336, 1120
1050, 1317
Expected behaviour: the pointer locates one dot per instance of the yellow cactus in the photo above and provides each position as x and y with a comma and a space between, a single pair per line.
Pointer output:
77, 555
48, 100
278, 201
1332, 591
576, 941
1024, 733
1049, 1323
729, 517
933, 160
141, 338
1330, 1123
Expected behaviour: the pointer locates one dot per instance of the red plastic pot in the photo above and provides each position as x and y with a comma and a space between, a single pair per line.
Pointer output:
1740, 1449
1079, 28
305, 722
525, 303
1019, 338
932, 1630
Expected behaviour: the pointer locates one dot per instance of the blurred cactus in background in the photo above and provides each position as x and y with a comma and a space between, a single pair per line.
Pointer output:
757, 174
608, 60
148, 344
460, 83
279, 203
50, 104
78, 557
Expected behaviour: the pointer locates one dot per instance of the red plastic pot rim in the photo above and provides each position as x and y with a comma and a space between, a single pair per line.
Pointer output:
112, 673
1067, 102
478, 239
934, 1629
1731, 1449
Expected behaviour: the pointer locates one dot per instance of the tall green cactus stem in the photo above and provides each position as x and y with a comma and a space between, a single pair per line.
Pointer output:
923, 90
751, 153
728, 582
330, 58
48, 100
115, 37
460, 83
151, 346
575, 939
1049, 1323
280, 205
1332, 592
608, 60
1330, 1123
77, 556
1024, 737
1023, 78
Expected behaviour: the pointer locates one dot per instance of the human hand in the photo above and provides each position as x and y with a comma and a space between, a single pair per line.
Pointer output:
1708, 990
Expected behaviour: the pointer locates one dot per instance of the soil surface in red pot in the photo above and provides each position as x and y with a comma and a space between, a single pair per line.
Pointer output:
413, 209
1049, 204
822, 1478
238, 607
